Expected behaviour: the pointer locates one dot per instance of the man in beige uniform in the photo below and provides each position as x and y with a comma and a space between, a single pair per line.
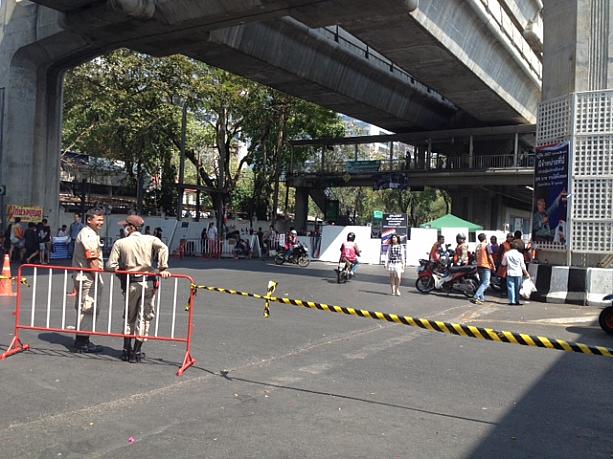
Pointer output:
87, 254
135, 253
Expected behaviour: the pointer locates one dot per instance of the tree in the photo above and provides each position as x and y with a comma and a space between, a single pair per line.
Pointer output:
116, 106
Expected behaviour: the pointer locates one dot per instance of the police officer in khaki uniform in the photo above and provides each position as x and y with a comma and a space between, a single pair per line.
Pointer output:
135, 253
87, 254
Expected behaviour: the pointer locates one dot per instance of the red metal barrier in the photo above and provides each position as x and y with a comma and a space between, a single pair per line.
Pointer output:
17, 345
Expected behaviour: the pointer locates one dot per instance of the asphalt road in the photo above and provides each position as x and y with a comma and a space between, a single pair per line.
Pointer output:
308, 383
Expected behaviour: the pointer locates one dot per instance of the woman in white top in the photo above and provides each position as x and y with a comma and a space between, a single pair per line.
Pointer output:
394, 263
516, 268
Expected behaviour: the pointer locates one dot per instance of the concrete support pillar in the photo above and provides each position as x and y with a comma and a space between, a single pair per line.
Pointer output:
31, 137
474, 206
577, 61
301, 210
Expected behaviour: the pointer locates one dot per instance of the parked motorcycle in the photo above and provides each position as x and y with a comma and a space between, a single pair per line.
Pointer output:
299, 256
436, 276
606, 316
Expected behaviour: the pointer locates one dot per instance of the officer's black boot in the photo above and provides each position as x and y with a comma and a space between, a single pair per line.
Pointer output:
136, 355
127, 349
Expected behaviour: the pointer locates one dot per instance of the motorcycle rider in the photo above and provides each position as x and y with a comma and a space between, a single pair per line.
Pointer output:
291, 242
349, 253
461, 251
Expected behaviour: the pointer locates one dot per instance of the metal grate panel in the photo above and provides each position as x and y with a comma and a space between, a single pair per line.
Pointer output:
554, 120
594, 112
592, 199
593, 156
592, 237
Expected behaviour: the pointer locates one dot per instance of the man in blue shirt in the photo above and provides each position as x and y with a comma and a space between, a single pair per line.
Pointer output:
73, 232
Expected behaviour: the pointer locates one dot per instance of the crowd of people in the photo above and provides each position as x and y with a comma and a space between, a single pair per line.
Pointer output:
28, 243
508, 261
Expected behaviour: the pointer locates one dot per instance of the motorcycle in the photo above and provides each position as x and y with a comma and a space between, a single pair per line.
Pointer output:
343, 271
299, 256
606, 316
438, 276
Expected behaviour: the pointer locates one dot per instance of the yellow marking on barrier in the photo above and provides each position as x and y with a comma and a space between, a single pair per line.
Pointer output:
564, 345
605, 351
510, 336
395, 318
584, 348
426, 324
493, 335
443, 327
380, 315
459, 329
528, 339
475, 331
546, 342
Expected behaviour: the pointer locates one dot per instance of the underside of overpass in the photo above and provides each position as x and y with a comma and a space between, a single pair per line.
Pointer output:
431, 77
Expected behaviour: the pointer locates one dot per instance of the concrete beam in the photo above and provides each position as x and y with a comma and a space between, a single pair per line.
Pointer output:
292, 58
447, 46
496, 177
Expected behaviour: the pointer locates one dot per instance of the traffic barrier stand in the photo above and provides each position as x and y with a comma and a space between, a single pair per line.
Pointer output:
450, 328
162, 295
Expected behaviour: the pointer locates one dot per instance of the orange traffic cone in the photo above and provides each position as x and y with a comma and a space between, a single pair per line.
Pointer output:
6, 283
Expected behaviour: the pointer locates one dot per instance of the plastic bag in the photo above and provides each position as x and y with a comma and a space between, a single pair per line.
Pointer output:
527, 288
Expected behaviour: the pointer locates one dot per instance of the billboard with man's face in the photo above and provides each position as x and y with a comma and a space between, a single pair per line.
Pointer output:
550, 193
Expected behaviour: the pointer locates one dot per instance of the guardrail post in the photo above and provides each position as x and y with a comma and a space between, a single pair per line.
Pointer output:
515, 150
470, 152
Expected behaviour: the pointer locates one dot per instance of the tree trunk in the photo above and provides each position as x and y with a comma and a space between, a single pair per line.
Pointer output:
277, 170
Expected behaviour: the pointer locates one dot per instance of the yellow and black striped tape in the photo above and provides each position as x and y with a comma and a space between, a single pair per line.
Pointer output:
450, 328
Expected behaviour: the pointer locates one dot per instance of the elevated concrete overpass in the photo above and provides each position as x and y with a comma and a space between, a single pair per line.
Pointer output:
472, 71
484, 169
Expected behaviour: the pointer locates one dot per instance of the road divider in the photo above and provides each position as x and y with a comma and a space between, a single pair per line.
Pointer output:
468, 331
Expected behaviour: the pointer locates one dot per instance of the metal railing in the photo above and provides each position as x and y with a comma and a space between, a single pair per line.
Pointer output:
438, 163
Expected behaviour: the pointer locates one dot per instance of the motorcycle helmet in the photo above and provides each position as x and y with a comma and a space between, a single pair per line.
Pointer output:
351, 237
460, 237
294, 232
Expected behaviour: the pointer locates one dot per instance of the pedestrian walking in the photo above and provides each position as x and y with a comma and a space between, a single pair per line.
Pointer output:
87, 254
31, 242
17, 240
44, 242
485, 266
516, 269
136, 253
502, 270
395, 261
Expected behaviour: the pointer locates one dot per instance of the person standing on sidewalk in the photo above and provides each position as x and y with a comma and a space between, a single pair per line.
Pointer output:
88, 255
485, 265
75, 228
516, 268
136, 253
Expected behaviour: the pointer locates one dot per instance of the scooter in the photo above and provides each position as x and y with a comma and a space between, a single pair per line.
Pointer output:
606, 316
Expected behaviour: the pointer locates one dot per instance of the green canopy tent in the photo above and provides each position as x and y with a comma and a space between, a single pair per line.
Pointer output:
451, 221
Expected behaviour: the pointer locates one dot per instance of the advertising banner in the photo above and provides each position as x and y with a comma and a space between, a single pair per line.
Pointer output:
27, 214
393, 224
550, 193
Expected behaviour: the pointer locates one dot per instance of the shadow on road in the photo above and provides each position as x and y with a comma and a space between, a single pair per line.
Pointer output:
225, 375
566, 414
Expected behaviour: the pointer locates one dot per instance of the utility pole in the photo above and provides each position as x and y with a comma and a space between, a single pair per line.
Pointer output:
182, 163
